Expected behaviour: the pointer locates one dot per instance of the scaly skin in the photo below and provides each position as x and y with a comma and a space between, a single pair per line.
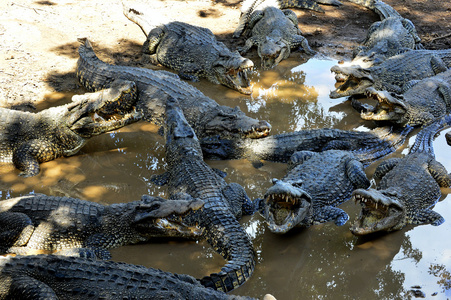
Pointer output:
275, 33
57, 277
388, 37
385, 39
250, 6
408, 188
193, 52
425, 138
366, 146
316, 183
205, 116
393, 73
28, 139
188, 173
55, 224
424, 102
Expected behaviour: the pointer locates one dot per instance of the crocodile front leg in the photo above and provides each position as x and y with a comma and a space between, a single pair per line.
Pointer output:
302, 43
356, 174
330, 213
438, 65
238, 200
150, 46
250, 42
27, 156
385, 167
427, 216
439, 173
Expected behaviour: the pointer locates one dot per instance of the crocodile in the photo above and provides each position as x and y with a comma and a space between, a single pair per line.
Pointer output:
223, 203
204, 114
28, 139
393, 73
37, 224
305, 197
275, 32
250, 6
192, 51
366, 146
48, 276
408, 188
424, 102
388, 37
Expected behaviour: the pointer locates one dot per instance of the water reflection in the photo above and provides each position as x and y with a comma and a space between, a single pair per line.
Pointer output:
321, 262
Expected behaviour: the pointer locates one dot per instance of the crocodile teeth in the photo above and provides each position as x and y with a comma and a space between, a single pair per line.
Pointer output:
97, 118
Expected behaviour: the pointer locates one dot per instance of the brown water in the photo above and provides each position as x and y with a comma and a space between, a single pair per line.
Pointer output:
321, 262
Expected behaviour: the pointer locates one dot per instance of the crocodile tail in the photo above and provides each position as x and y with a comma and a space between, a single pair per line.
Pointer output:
146, 18
425, 138
87, 68
379, 7
390, 141
365, 3
384, 10
230, 240
306, 4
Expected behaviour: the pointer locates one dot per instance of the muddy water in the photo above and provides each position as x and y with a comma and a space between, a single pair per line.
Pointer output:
321, 262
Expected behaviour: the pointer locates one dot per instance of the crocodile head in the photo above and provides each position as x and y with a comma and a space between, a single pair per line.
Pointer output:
390, 107
356, 81
181, 140
272, 51
95, 113
381, 211
158, 217
232, 123
232, 71
286, 206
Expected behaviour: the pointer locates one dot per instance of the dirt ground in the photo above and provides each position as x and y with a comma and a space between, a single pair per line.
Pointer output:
38, 39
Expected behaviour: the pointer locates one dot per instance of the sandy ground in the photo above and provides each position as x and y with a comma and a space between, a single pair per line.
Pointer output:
38, 39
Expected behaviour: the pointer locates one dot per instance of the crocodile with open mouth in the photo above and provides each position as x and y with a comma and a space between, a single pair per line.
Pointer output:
392, 35
424, 102
275, 32
393, 73
315, 184
192, 51
408, 188
28, 139
37, 224
250, 6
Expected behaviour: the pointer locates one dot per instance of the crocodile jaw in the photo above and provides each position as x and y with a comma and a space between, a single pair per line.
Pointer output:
380, 212
235, 77
286, 206
389, 107
158, 217
109, 109
235, 123
272, 52
356, 82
